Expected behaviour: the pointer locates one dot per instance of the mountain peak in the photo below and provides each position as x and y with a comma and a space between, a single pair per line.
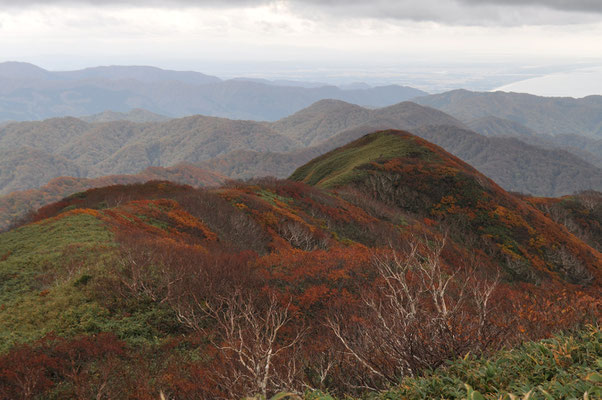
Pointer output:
21, 70
350, 163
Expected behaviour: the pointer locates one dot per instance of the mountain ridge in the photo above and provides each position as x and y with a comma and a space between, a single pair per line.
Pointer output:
28, 92
547, 115
246, 149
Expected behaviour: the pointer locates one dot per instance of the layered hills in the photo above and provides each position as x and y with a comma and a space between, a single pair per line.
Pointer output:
123, 147
545, 170
245, 149
28, 92
546, 115
17, 204
143, 290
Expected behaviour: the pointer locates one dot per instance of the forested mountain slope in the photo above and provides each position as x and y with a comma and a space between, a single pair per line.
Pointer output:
15, 206
512, 163
547, 115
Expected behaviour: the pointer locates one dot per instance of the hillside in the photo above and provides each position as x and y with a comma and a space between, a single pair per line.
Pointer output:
535, 369
135, 115
328, 118
17, 204
25, 167
516, 165
586, 148
541, 169
134, 290
548, 115
246, 149
494, 126
32, 93
581, 213
386, 164
123, 147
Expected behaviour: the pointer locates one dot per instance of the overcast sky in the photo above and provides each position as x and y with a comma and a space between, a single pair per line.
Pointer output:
269, 38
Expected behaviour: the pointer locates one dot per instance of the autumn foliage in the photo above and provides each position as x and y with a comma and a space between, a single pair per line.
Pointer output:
274, 285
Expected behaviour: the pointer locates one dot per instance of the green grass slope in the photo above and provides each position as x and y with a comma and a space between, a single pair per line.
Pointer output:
342, 165
49, 272
38, 266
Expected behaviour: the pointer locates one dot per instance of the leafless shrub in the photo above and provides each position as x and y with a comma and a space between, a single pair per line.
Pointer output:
418, 317
302, 237
571, 266
257, 341
590, 199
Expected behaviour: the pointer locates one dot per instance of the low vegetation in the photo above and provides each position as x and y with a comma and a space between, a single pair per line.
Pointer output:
406, 261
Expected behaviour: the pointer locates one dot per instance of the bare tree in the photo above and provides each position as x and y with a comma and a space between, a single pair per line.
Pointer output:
257, 342
417, 317
302, 237
569, 265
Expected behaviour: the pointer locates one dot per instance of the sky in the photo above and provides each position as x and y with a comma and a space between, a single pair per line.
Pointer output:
431, 44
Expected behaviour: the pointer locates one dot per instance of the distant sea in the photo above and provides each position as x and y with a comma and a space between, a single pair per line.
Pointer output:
576, 83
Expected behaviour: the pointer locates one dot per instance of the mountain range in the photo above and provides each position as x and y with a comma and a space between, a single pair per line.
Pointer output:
545, 115
28, 93
34, 153
374, 262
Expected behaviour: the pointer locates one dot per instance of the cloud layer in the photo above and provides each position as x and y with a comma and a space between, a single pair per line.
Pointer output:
454, 12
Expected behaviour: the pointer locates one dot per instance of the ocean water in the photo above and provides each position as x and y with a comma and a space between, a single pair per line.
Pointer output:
577, 83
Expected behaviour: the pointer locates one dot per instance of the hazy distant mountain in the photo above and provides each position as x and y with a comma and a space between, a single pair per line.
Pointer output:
546, 115
20, 70
135, 115
495, 126
512, 163
28, 92
586, 148
327, 118
516, 165
242, 149
26, 167
123, 147
138, 73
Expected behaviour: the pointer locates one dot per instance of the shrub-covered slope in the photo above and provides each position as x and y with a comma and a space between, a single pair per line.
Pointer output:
128, 291
563, 367
17, 204
423, 179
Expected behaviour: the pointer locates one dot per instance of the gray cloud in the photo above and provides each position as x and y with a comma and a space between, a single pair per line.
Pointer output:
567, 5
594, 6
135, 3
464, 12
454, 12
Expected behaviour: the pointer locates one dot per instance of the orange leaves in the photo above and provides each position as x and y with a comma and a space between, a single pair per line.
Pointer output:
447, 204
269, 218
183, 220
314, 294
318, 276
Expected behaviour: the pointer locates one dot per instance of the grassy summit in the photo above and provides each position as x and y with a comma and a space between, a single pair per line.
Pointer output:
343, 165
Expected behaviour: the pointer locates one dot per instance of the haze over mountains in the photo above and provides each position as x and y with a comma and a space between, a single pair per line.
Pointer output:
542, 146
28, 92
546, 115
514, 164
70, 146
100, 153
